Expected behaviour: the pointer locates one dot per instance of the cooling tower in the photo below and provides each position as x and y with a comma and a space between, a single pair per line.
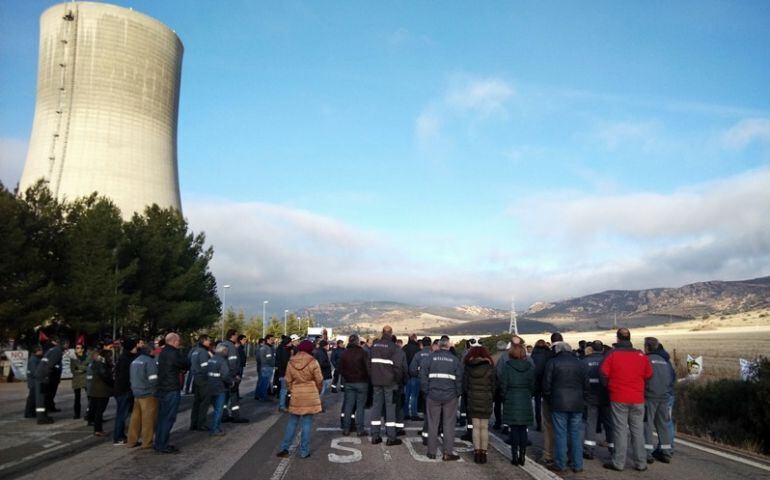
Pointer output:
107, 107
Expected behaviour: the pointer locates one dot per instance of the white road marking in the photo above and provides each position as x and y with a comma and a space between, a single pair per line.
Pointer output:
729, 456
356, 457
41, 453
534, 469
385, 453
283, 466
417, 456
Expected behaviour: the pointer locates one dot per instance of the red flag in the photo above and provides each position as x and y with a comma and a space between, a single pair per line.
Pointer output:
42, 337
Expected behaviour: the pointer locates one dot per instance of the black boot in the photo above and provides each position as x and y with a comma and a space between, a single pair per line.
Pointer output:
477, 456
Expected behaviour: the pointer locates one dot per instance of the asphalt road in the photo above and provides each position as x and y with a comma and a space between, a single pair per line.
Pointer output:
67, 449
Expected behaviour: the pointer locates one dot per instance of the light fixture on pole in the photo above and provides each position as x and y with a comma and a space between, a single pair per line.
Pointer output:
285, 312
264, 319
224, 308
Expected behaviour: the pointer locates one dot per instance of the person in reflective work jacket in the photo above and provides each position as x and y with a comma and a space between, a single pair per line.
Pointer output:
144, 385
45, 373
595, 394
656, 403
386, 371
199, 362
232, 397
220, 381
34, 361
441, 380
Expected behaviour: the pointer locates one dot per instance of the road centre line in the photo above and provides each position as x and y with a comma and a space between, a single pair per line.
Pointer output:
283, 466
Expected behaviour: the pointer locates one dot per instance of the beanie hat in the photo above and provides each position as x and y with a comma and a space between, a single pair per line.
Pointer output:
305, 346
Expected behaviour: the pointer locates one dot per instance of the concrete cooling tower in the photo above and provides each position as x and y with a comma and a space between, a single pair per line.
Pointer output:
107, 107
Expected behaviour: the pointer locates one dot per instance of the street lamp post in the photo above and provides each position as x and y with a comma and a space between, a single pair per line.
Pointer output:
285, 312
224, 308
264, 319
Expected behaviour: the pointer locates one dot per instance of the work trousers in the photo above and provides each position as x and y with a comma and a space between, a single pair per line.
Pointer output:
658, 416
200, 406
143, 421
100, 405
480, 433
399, 404
434, 410
591, 422
168, 405
233, 401
628, 417
547, 432
29, 409
41, 392
355, 400
77, 408
383, 400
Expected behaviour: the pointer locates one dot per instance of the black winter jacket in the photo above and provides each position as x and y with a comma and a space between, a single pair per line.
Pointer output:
479, 387
171, 364
386, 368
123, 374
564, 383
410, 349
322, 357
282, 357
596, 392
540, 357
354, 365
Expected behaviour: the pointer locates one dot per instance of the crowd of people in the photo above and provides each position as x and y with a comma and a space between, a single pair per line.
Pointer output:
583, 399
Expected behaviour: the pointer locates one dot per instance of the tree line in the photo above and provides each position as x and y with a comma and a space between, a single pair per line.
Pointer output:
76, 268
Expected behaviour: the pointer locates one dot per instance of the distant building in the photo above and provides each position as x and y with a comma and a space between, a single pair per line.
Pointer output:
107, 107
319, 331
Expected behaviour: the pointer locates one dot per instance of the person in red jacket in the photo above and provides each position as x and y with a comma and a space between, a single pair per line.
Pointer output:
624, 371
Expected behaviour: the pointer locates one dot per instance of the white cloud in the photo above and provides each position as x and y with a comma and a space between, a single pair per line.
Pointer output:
465, 102
724, 207
621, 134
747, 131
13, 152
486, 96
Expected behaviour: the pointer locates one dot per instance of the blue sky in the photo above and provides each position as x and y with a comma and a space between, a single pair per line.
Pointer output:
446, 153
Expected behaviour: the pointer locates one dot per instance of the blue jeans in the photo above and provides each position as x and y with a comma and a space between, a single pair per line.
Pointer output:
355, 397
412, 393
291, 430
265, 377
168, 405
218, 401
282, 402
568, 425
325, 388
124, 402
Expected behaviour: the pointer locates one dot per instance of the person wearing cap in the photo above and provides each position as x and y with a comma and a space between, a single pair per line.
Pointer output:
595, 394
657, 414
34, 361
304, 380
122, 390
441, 380
232, 397
45, 373
199, 362
625, 371
144, 385
220, 381
564, 384
386, 372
